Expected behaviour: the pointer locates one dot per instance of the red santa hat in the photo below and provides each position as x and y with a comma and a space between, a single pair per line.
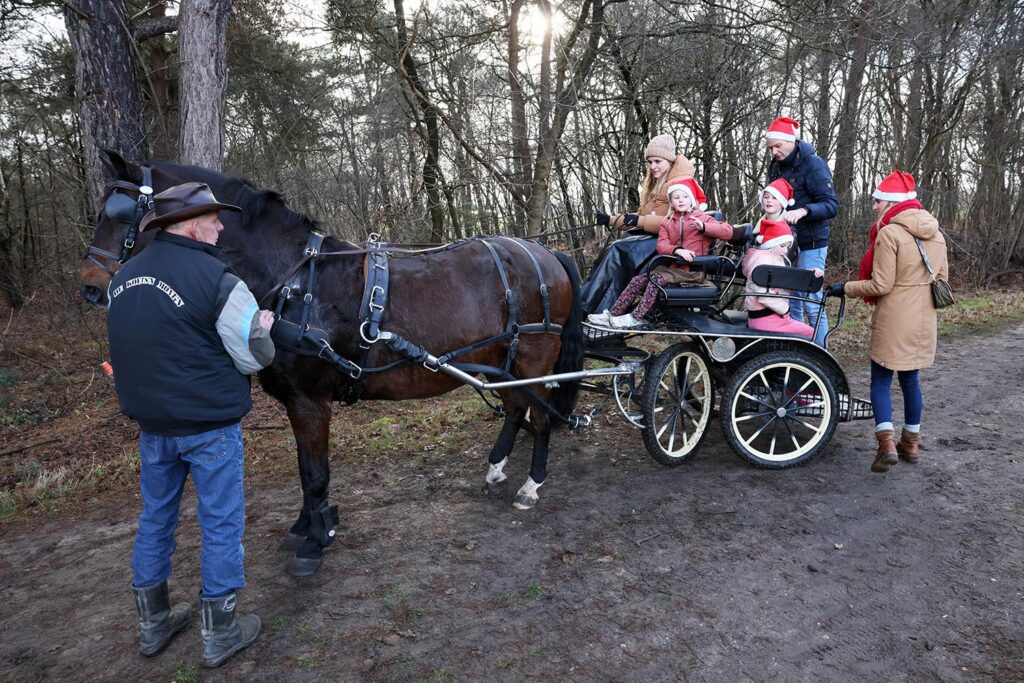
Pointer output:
783, 128
781, 190
691, 188
896, 187
774, 233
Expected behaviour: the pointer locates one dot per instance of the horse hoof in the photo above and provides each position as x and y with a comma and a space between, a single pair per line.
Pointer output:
304, 566
525, 502
495, 487
292, 542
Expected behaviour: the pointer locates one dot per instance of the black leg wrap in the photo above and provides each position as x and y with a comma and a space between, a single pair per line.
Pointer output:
322, 523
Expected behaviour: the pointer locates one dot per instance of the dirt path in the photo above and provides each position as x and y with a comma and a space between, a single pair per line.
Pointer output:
626, 571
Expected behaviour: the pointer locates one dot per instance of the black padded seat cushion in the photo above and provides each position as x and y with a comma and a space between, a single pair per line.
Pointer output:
689, 296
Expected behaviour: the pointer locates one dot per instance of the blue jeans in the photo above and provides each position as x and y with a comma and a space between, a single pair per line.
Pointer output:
881, 395
805, 312
215, 459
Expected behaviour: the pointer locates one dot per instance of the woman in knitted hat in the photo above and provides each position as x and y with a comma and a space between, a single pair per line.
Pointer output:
893, 275
620, 261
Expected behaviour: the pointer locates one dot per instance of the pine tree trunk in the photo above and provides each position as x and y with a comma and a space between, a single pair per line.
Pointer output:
203, 79
106, 85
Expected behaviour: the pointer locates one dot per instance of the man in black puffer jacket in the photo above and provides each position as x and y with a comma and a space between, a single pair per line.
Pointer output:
185, 333
814, 204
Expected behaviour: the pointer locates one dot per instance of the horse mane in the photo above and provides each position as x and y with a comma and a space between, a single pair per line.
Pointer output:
243, 193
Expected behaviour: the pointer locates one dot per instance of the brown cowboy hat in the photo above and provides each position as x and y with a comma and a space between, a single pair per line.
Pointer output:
177, 203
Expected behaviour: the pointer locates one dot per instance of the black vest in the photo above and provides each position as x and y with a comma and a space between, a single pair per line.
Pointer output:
171, 370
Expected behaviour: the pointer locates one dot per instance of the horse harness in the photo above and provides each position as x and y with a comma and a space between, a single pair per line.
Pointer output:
124, 209
305, 339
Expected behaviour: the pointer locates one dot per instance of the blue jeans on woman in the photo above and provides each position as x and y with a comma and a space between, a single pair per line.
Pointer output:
807, 312
216, 461
881, 397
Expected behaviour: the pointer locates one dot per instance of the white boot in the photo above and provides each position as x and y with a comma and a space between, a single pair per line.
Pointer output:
599, 318
624, 322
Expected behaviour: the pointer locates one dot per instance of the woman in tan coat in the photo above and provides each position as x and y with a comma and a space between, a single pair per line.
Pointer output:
620, 261
893, 276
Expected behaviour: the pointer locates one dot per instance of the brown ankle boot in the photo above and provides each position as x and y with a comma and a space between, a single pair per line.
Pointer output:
908, 446
885, 457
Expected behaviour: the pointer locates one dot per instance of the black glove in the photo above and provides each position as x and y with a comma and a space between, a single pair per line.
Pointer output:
835, 289
631, 220
601, 218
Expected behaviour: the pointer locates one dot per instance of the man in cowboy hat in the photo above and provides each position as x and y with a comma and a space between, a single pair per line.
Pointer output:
185, 334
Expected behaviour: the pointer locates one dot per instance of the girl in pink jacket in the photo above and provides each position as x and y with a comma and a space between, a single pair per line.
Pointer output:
686, 233
765, 312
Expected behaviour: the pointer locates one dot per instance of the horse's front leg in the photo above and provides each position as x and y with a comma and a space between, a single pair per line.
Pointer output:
515, 412
313, 531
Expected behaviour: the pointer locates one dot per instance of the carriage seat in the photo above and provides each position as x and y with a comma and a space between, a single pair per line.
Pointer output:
689, 297
786, 277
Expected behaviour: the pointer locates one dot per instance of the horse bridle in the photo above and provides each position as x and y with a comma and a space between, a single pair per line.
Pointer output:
123, 209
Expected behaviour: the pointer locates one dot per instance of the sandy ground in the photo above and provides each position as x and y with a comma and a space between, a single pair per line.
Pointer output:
626, 571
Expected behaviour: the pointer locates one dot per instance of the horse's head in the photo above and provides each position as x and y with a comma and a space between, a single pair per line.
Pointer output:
128, 197
257, 243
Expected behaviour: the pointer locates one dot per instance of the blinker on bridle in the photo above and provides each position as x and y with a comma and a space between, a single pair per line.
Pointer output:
124, 209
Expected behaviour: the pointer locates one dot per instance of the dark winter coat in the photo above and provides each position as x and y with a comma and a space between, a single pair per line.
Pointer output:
812, 190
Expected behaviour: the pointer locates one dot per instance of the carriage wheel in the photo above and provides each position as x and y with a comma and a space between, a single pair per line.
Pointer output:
628, 391
677, 399
779, 409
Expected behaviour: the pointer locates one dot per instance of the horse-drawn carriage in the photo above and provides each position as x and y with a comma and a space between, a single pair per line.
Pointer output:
779, 396
501, 315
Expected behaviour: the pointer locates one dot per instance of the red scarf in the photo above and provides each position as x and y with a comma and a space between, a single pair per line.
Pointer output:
867, 261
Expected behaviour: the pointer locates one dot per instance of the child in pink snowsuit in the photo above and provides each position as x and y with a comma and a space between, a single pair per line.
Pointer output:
765, 312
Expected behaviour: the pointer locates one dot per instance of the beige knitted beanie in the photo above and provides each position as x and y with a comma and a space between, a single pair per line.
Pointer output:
661, 146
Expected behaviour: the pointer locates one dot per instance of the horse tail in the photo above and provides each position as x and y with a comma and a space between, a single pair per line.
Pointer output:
570, 358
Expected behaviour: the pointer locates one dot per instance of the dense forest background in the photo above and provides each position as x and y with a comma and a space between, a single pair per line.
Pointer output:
429, 121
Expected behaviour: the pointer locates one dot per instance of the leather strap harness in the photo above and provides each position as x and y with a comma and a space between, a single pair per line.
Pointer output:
305, 339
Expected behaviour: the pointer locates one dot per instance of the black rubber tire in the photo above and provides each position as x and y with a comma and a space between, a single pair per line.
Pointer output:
662, 391
774, 386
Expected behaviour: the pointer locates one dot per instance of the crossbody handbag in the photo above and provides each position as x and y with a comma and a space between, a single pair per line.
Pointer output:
942, 293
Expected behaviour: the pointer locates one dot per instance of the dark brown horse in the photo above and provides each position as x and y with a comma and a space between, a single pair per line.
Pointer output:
439, 300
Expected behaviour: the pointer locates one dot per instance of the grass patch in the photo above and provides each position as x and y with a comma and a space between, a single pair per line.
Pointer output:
986, 309
186, 671
8, 504
395, 596
307, 661
8, 377
534, 590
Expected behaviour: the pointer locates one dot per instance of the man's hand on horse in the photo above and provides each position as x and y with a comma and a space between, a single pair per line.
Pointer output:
266, 320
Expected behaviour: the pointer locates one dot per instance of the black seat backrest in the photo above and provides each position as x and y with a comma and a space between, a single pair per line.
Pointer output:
785, 277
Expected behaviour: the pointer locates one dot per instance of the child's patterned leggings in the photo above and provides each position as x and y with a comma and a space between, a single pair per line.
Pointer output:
641, 288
